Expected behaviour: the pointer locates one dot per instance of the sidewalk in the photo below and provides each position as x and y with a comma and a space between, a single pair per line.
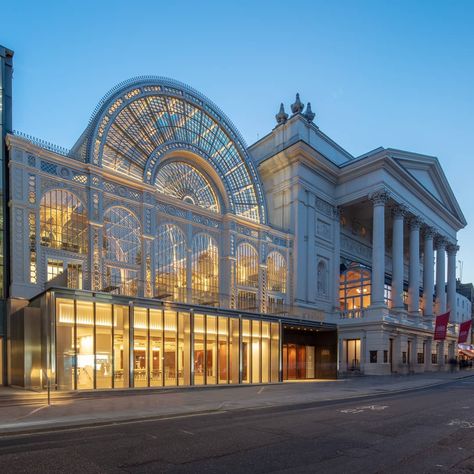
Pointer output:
86, 409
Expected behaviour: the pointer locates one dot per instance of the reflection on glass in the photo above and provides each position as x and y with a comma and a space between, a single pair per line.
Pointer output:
140, 347
275, 353
205, 270
156, 347
184, 349
247, 266
121, 346
170, 348
223, 350
85, 345
211, 350
199, 347
234, 351
246, 350
65, 353
255, 351
103, 338
276, 272
265, 351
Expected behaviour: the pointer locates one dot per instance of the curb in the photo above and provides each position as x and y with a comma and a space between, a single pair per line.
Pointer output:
49, 427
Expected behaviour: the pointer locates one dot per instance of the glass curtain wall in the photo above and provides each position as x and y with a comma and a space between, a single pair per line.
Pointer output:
276, 281
102, 345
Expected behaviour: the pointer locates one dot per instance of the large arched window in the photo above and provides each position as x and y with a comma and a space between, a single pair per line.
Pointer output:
247, 266
170, 263
355, 289
122, 241
277, 271
63, 221
184, 182
122, 248
205, 269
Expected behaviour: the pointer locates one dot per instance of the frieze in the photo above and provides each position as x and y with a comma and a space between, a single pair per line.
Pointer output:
205, 221
323, 229
324, 207
246, 231
171, 210
355, 247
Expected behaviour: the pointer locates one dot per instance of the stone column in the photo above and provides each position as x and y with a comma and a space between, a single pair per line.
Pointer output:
379, 199
452, 250
414, 269
440, 275
337, 256
398, 213
428, 272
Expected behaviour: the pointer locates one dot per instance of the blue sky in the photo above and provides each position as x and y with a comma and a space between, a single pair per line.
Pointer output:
378, 73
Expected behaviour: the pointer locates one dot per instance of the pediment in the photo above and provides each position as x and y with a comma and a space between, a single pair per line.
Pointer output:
428, 173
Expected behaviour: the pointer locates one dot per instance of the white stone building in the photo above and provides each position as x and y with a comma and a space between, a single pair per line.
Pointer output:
161, 250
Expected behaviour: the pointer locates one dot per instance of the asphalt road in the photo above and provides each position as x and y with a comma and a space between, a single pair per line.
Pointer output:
429, 430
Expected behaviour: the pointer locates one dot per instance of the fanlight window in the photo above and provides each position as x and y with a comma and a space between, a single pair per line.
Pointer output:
122, 242
247, 266
205, 269
277, 271
184, 182
63, 221
170, 263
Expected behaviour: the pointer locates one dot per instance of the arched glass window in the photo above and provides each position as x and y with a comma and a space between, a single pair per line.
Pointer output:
170, 263
122, 247
277, 271
63, 221
205, 269
184, 182
355, 288
322, 278
122, 242
247, 266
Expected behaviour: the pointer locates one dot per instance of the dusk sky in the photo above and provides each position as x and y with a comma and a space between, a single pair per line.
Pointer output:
378, 73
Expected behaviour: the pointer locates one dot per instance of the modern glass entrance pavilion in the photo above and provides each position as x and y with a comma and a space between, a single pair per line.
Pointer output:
93, 340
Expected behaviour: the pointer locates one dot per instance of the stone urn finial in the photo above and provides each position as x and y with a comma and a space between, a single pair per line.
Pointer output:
281, 116
309, 114
298, 106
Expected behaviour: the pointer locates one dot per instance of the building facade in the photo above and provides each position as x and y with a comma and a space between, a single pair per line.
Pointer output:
162, 250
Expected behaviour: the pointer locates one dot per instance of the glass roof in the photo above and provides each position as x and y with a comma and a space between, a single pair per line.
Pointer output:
137, 124
184, 182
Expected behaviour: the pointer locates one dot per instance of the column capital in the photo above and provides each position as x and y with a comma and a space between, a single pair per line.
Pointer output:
399, 210
452, 249
337, 212
429, 232
414, 222
379, 197
440, 242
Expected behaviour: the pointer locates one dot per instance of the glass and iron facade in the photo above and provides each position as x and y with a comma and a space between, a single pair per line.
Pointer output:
156, 211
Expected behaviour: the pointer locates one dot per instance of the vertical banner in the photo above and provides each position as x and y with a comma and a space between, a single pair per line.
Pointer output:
464, 331
441, 326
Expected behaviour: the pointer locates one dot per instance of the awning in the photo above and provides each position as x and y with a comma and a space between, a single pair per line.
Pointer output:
467, 353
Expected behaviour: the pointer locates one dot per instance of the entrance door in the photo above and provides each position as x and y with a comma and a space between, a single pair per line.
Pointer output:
301, 362
291, 362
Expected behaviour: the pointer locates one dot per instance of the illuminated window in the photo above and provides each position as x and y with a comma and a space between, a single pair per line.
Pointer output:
55, 268
277, 271
170, 263
355, 288
183, 182
63, 222
247, 266
205, 269
122, 247
122, 240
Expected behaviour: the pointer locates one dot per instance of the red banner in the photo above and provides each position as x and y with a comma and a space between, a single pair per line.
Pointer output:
441, 326
464, 331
